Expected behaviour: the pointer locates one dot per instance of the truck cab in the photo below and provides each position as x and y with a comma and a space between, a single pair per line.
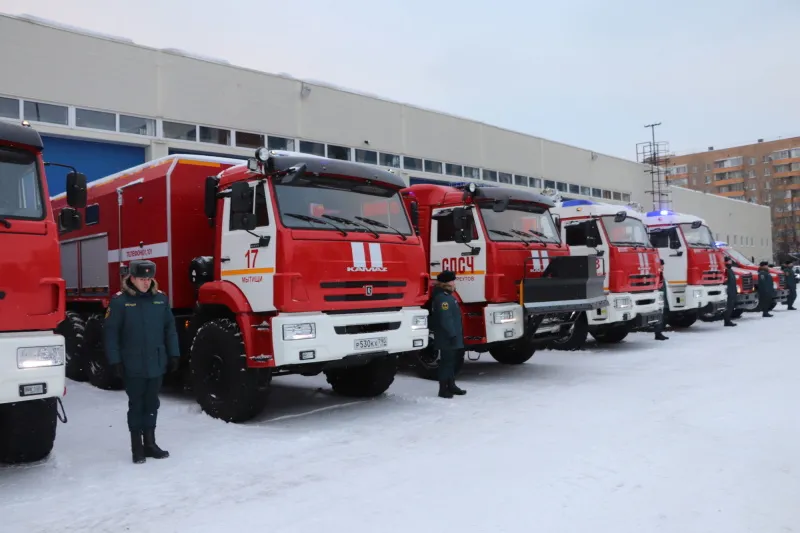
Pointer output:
626, 259
32, 299
745, 265
518, 285
694, 270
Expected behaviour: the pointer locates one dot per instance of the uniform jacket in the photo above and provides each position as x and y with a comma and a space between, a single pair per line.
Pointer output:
791, 283
448, 333
140, 331
766, 289
730, 282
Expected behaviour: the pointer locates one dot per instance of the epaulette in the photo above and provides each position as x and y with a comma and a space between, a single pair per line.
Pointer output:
119, 293
160, 292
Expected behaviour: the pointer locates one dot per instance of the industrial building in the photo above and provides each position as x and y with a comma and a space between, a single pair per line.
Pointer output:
766, 173
104, 104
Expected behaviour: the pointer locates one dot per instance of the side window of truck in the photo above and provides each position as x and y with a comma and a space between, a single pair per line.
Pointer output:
576, 233
662, 238
262, 212
446, 230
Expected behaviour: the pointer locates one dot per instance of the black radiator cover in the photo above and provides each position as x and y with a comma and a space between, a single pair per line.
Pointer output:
569, 283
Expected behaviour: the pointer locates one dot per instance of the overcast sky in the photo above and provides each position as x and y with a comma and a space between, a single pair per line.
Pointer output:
586, 72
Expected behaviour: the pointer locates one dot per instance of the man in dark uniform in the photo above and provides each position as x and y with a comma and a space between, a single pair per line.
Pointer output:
766, 289
448, 335
141, 342
791, 284
658, 328
730, 283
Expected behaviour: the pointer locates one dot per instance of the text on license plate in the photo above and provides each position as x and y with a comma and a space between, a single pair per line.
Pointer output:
371, 344
32, 390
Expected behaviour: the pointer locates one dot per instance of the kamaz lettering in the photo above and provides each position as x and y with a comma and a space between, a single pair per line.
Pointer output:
459, 265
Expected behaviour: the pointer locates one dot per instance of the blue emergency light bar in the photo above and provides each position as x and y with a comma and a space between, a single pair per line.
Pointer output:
721, 244
575, 203
662, 213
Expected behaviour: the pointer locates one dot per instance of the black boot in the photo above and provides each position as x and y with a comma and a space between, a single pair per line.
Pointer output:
730, 324
661, 337
137, 448
791, 308
767, 315
444, 390
454, 388
151, 449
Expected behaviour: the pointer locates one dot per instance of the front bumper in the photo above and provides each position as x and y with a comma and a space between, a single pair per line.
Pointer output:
747, 301
504, 322
23, 384
703, 297
781, 296
641, 310
339, 336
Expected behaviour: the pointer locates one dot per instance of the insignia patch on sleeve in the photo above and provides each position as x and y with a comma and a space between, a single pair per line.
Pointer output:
445, 306
108, 311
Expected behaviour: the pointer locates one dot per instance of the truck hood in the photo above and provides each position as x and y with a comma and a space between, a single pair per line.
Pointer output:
31, 289
506, 263
349, 275
706, 266
632, 269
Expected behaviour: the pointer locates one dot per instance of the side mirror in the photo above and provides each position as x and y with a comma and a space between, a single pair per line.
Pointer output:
69, 219
696, 224
76, 190
242, 198
674, 245
211, 197
500, 205
464, 225
620, 217
591, 241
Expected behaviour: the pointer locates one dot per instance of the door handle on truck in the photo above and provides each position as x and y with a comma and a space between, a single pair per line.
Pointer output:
436, 263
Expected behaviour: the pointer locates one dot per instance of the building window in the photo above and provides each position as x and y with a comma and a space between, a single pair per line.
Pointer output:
597, 193
708, 167
39, 112
338, 152
215, 136
626, 197
280, 143
489, 175
561, 187
586, 191
549, 184
607, 195
138, 125
767, 172
574, 189
96, 120
390, 160
369, 157
179, 131
752, 161
453, 170
9, 108
310, 147
412, 163
434, 167
520, 180
694, 170
472, 173
536, 183
617, 196
504, 177
245, 139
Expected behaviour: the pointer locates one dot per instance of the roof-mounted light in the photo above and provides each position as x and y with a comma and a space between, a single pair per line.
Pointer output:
575, 203
472, 187
721, 244
262, 154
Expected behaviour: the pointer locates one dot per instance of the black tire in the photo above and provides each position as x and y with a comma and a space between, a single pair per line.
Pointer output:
27, 430
576, 337
223, 385
682, 321
426, 363
364, 381
513, 353
737, 313
72, 329
101, 375
611, 335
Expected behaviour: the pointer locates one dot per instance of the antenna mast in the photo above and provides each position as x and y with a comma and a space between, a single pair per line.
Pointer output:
656, 155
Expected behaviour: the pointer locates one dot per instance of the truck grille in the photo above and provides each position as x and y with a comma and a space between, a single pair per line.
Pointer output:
643, 281
713, 276
747, 282
366, 328
362, 291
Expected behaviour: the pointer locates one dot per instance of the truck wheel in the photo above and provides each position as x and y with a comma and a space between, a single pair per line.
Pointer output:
364, 381
72, 329
682, 321
101, 375
426, 363
27, 430
711, 317
610, 335
513, 353
576, 337
737, 313
222, 383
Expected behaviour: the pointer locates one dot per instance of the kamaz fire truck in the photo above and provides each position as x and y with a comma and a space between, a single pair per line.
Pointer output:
518, 285
694, 270
277, 266
626, 260
745, 265
31, 296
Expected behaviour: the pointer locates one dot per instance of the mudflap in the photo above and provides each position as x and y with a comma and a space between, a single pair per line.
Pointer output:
646, 321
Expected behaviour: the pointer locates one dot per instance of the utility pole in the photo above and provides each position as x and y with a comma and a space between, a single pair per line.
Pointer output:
656, 155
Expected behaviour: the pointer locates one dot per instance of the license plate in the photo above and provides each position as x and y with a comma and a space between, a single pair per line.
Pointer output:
371, 344
33, 389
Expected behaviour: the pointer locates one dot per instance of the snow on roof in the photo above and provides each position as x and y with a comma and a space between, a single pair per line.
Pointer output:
75, 29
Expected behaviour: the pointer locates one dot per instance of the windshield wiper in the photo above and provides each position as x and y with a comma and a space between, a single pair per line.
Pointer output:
343, 220
501, 232
5, 222
308, 218
382, 225
629, 243
521, 235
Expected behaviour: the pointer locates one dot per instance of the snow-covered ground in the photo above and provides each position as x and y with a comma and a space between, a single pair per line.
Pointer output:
700, 433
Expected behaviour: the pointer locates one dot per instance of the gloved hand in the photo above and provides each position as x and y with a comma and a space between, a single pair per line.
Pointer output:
119, 370
174, 363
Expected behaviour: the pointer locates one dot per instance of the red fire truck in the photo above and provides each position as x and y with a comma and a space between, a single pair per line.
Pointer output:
627, 261
271, 267
694, 269
31, 296
745, 265
518, 286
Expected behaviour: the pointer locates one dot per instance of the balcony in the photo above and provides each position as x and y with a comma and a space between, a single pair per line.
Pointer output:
673, 177
732, 194
730, 181
717, 170
782, 157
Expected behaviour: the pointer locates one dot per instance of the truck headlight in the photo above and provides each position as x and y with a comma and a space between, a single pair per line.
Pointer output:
419, 322
296, 332
40, 356
698, 293
623, 303
775, 284
738, 290
503, 317
660, 297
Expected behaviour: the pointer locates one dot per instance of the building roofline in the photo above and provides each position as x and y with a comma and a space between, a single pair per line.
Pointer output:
690, 153
39, 21
719, 196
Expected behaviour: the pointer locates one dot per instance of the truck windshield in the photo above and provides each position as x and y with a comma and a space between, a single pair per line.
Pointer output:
313, 202
697, 237
629, 232
520, 223
738, 257
20, 190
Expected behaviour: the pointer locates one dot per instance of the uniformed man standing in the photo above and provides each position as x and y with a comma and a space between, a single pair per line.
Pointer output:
448, 335
141, 343
766, 289
791, 284
658, 328
730, 283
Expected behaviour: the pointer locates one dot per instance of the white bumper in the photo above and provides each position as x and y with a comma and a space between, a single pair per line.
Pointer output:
394, 332
31, 382
504, 322
699, 296
624, 307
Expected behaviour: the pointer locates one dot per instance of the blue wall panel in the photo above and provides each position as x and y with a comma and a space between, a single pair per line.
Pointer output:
95, 159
